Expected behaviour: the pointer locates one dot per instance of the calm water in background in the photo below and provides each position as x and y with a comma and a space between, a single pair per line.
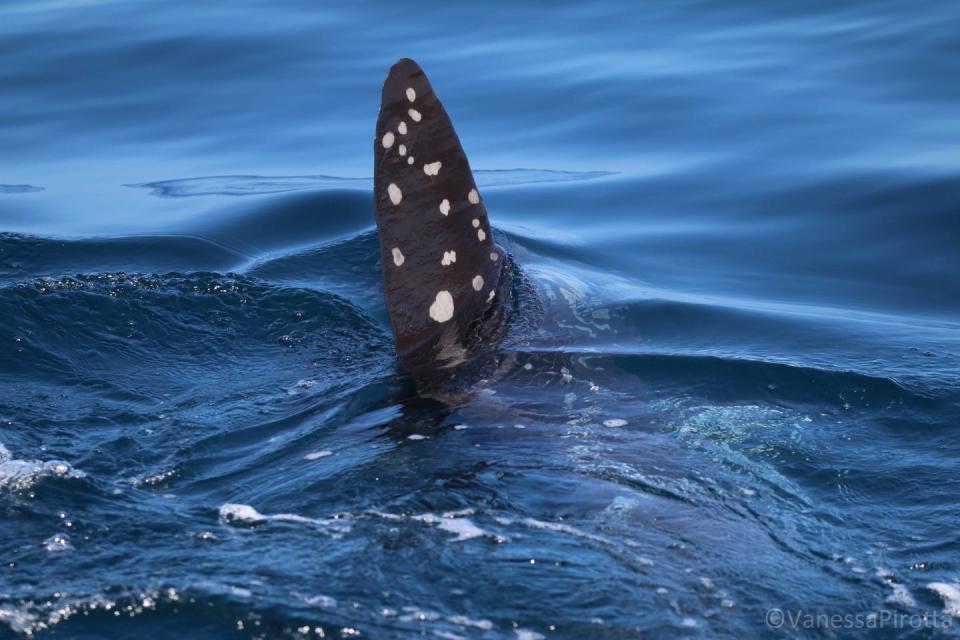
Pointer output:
741, 225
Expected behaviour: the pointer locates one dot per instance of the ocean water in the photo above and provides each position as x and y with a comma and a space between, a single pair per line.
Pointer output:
737, 380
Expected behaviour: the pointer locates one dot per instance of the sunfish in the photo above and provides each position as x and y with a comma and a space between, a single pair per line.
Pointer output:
448, 285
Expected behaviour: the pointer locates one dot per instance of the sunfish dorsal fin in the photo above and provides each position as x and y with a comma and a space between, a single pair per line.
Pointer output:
442, 272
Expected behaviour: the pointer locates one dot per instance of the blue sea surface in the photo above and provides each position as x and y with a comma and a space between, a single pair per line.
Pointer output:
737, 380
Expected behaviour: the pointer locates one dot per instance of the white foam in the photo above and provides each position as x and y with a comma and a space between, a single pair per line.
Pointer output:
316, 455
156, 478
34, 617
57, 543
18, 475
231, 513
565, 528
416, 436
455, 522
950, 593
527, 634
20, 620
464, 528
240, 513
464, 621
561, 527
901, 596
419, 615
386, 515
615, 422
411, 613
214, 587
318, 600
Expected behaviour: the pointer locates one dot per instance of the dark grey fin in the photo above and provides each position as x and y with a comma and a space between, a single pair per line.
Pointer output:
444, 279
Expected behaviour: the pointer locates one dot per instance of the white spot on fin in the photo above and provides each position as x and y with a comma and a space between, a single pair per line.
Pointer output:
410, 160
477, 283
442, 308
411, 94
473, 197
414, 115
395, 194
397, 256
445, 206
494, 256
402, 128
490, 297
481, 236
449, 257
388, 139
476, 223
403, 150
432, 169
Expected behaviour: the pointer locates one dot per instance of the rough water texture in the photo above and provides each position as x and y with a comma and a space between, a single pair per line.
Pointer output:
735, 374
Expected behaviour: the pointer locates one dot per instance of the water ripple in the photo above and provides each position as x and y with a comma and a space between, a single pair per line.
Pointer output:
257, 185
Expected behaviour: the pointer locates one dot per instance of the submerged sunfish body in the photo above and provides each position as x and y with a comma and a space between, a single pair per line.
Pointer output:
447, 284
